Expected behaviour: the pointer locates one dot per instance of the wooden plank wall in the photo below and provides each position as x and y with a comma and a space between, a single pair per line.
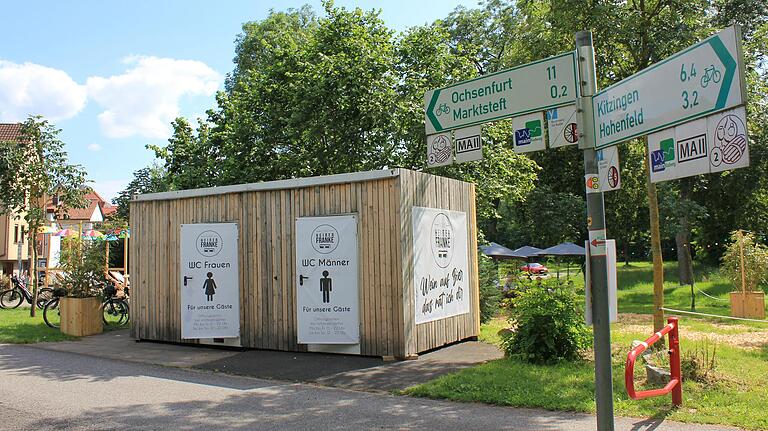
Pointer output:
267, 253
419, 189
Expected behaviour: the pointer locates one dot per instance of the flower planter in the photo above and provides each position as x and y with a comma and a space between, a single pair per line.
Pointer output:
748, 304
81, 316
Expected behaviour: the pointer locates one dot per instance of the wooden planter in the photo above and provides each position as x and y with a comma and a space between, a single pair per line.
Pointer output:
81, 316
748, 304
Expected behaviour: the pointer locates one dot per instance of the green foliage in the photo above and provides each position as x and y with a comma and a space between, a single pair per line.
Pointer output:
546, 218
548, 324
82, 264
151, 179
490, 292
33, 169
699, 362
755, 261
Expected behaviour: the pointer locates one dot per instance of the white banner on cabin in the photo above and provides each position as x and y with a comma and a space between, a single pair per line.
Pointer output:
439, 150
529, 133
561, 126
712, 144
440, 264
608, 168
613, 284
209, 281
327, 303
468, 143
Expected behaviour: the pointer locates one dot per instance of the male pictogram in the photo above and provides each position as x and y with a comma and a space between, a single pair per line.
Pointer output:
326, 286
210, 286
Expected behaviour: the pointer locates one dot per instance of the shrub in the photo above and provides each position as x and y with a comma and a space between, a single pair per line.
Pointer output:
549, 323
755, 261
82, 263
490, 293
698, 364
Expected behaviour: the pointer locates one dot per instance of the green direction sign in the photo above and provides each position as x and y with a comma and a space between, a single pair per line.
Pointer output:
700, 80
528, 88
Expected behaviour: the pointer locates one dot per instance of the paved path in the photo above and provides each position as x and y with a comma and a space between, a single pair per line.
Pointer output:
348, 371
78, 392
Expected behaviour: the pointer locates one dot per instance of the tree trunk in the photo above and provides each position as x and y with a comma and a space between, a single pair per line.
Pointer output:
682, 238
658, 264
625, 248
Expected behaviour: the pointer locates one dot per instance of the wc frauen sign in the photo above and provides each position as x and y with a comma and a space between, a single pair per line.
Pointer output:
209, 278
441, 276
327, 303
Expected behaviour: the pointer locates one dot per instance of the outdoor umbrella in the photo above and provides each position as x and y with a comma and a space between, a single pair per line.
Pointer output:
564, 249
92, 235
46, 229
66, 232
498, 251
527, 251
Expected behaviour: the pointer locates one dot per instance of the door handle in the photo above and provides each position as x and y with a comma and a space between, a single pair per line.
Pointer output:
301, 280
185, 279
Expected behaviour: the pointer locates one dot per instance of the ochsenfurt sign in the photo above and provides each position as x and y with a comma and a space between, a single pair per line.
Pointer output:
209, 278
528, 88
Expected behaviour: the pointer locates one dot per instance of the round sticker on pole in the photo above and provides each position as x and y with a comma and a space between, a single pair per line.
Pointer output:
592, 183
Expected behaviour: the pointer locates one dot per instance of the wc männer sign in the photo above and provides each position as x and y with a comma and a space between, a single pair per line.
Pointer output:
210, 289
327, 303
441, 278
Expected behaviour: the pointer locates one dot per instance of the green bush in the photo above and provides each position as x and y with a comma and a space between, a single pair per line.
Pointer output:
490, 292
548, 323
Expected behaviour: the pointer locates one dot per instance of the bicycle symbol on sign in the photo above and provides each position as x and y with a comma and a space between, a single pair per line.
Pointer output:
443, 109
710, 74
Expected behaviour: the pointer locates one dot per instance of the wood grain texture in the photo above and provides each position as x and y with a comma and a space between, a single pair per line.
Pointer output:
266, 224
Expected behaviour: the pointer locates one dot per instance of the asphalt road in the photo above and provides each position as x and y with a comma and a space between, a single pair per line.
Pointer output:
49, 390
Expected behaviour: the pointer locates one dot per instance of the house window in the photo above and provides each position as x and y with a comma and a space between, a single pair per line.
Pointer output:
21, 238
16, 234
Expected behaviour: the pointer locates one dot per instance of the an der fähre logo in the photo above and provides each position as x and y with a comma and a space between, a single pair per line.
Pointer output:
442, 240
209, 243
325, 239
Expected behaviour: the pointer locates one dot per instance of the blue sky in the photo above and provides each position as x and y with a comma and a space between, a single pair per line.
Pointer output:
112, 75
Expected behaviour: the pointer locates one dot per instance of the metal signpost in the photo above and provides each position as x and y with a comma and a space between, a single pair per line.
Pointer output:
697, 81
683, 98
528, 88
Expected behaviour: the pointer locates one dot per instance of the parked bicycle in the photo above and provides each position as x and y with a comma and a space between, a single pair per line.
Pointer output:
115, 310
20, 292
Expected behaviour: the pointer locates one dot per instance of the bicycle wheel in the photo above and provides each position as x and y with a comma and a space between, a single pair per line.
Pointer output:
52, 313
44, 294
127, 311
114, 312
11, 298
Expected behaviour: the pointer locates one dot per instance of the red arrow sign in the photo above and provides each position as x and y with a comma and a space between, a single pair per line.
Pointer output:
596, 242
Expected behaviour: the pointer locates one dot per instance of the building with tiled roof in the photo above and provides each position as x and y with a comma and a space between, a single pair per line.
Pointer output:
13, 228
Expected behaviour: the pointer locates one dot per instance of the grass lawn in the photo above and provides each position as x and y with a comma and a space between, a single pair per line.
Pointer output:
16, 327
735, 397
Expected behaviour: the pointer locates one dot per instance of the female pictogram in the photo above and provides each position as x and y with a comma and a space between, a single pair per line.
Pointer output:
209, 286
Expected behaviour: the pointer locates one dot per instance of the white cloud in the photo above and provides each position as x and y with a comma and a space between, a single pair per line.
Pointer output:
94, 147
34, 89
109, 189
145, 99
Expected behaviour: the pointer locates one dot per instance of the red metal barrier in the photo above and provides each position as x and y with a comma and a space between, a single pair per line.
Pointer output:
675, 384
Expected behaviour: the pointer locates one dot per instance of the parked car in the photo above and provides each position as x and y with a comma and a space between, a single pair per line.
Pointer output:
534, 268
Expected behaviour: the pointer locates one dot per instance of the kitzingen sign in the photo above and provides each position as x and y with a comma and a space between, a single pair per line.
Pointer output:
700, 80
532, 87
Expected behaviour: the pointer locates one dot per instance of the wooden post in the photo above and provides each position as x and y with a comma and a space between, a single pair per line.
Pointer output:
743, 272
125, 255
106, 258
658, 264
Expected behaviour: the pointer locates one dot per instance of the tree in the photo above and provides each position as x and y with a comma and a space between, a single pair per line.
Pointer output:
152, 179
32, 169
